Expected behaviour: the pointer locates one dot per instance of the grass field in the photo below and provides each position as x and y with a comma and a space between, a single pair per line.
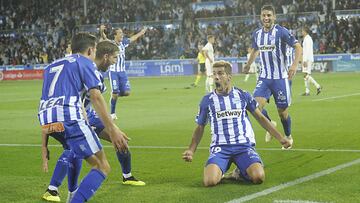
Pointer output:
159, 117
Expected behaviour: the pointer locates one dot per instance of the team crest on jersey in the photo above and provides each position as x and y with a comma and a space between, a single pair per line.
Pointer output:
267, 48
281, 96
233, 113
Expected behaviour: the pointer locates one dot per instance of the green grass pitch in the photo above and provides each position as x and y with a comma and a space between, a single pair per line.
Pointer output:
159, 117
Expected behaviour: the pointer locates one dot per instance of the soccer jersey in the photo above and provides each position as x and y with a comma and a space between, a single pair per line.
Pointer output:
290, 55
272, 47
210, 51
119, 66
86, 95
229, 121
308, 53
65, 80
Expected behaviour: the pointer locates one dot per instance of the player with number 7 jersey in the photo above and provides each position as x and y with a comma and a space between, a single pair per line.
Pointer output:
64, 82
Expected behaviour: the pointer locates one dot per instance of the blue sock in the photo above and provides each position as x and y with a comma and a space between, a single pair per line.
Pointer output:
88, 186
287, 125
60, 170
112, 105
264, 112
73, 172
125, 161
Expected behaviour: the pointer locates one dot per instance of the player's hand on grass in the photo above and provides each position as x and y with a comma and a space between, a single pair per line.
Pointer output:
45, 166
285, 143
188, 155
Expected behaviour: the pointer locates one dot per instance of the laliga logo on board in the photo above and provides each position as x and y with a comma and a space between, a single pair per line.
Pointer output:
171, 68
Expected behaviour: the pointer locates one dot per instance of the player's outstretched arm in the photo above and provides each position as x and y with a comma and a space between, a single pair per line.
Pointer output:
138, 35
266, 124
102, 33
196, 138
294, 65
118, 138
253, 54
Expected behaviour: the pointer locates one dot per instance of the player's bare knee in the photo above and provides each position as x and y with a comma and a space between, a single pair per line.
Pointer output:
258, 177
114, 96
125, 94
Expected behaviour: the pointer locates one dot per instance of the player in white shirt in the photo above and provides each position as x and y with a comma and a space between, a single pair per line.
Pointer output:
308, 59
233, 140
208, 51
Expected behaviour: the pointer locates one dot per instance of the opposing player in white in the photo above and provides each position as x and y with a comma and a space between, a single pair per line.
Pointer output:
308, 59
208, 51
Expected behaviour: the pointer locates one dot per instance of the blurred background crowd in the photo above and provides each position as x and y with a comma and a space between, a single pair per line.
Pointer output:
38, 31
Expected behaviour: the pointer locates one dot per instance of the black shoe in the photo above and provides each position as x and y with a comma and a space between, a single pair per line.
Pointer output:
318, 90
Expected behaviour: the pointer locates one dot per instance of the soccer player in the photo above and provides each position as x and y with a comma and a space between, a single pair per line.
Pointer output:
232, 134
120, 85
253, 67
308, 59
208, 52
61, 109
270, 41
201, 65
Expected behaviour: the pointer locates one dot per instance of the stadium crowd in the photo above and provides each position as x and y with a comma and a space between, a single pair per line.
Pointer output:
28, 34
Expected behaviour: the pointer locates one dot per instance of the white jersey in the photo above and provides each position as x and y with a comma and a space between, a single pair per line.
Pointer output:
308, 54
209, 50
119, 66
229, 121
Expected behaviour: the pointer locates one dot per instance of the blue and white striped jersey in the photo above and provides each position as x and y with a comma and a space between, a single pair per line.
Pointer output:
65, 80
86, 95
272, 47
290, 56
119, 66
229, 121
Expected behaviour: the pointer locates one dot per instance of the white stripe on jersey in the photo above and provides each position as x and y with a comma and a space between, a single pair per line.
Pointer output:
60, 112
89, 137
219, 124
41, 116
72, 108
119, 66
266, 73
49, 115
230, 121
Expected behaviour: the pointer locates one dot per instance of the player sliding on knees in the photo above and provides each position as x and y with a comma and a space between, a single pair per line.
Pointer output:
233, 139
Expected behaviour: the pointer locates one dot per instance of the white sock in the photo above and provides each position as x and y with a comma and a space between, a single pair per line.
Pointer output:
311, 79
307, 90
246, 77
51, 187
127, 175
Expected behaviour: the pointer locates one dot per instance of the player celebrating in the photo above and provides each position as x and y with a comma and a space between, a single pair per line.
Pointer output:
119, 82
232, 134
308, 59
208, 52
60, 110
270, 41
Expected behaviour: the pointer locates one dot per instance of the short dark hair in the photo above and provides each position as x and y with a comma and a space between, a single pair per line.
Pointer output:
82, 41
210, 36
268, 7
106, 47
227, 66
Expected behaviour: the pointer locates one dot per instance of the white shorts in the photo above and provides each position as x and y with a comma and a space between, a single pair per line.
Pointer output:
209, 69
308, 68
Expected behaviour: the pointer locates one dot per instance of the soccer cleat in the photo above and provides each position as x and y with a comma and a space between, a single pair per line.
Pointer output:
268, 136
291, 142
113, 116
305, 94
51, 196
132, 181
234, 175
318, 90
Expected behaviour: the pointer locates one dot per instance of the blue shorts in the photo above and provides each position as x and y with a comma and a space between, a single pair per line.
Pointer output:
60, 137
279, 88
242, 155
95, 122
81, 138
119, 82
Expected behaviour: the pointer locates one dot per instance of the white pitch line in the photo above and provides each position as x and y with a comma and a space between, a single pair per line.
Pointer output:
295, 182
294, 201
184, 147
336, 97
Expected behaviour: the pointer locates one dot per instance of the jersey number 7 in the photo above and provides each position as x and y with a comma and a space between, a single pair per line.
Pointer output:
57, 70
